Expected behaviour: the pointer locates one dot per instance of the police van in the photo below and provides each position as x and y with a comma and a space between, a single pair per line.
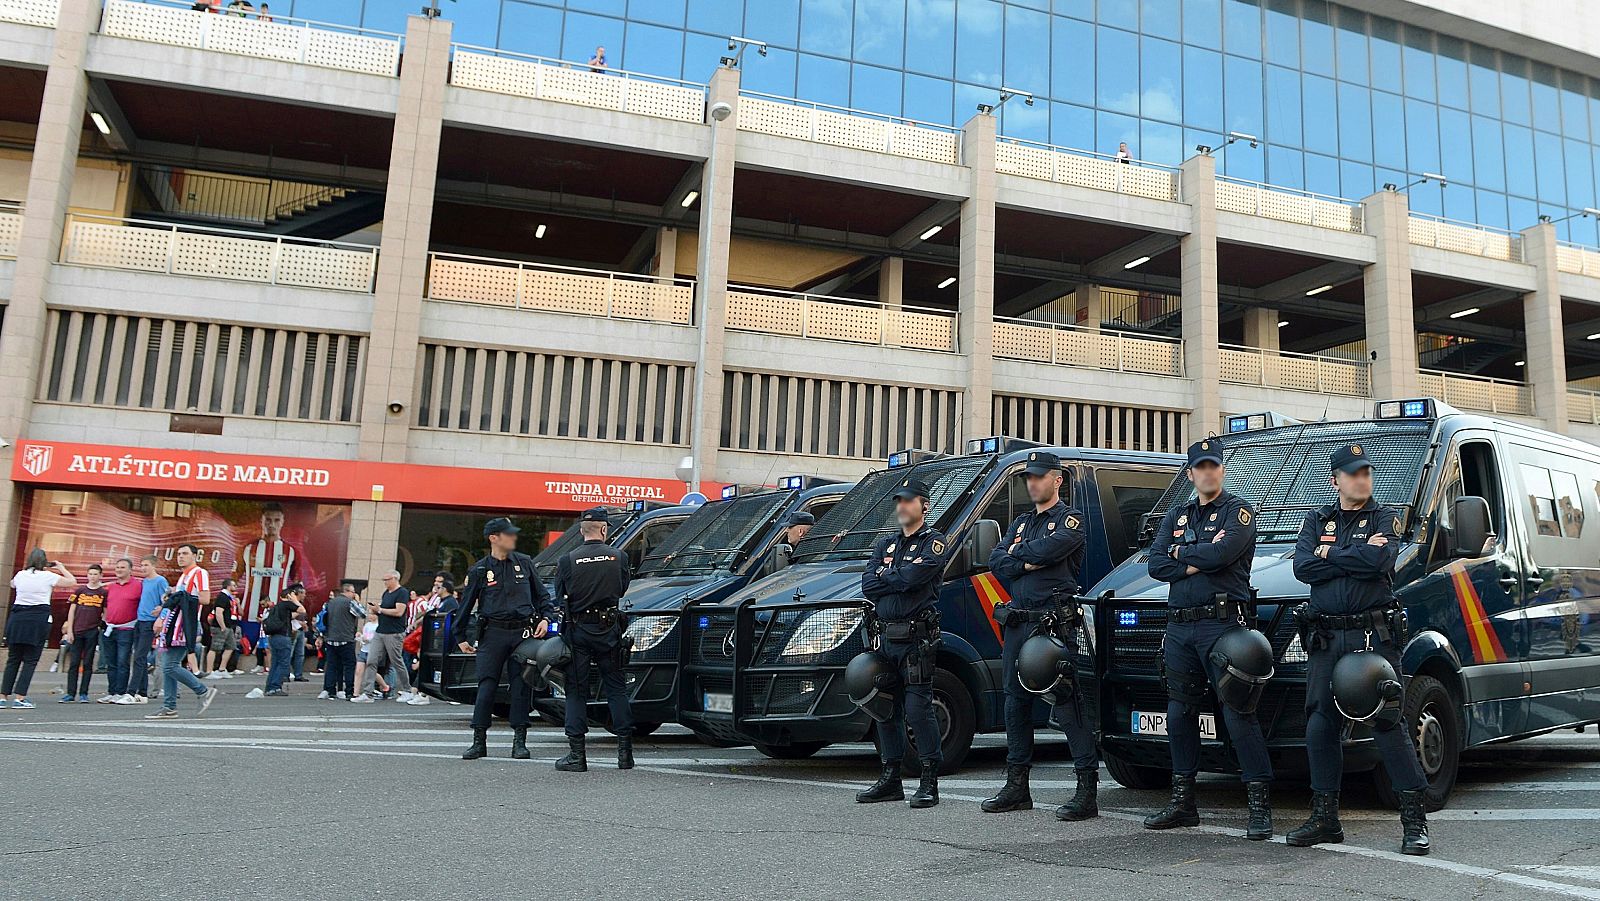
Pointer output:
1499, 577
637, 528
723, 547
766, 665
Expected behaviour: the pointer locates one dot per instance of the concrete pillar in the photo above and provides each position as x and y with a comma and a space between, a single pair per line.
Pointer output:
1544, 331
892, 281
403, 254
711, 272
1091, 303
1386, 284
55, 159
1197, 270
1261, 328
667, 252
975, 281
372, 547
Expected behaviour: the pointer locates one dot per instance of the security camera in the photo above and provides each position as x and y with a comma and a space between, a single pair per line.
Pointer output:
733, 44
395, 407
721, 110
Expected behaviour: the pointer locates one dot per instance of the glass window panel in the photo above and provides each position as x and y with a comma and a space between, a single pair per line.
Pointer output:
1384, 49
931, 33
1322, 174
779, 20
1241, 82
1461, 202
532, 29
1248, 163
1419, 64
1202, 23
1161, 143
718, 16
1519, 161
1078, 9
1321, 114
1160, 76
1285, 167
1283, 33
978, 28
875, 89
1202, 88
1546, 99
1455, 146
1427, 199
1117, 71
1032, 4
652, 49
770, 74
662, 12
334, 12
1580, 174
1452, 72
823, 80
1521, 212
1388, 131
968, 96
1241, 27
701, 52
880, 32
1112, 129
1355, 122
1356, 180
1574, 106
1316, 38
1483, 77
929, 99
1071, 61
1121, 13
1031, 123
1491, 209
391, 15
1071, 126
1161, 18
474, 24
825, 27
1422, 137
584, 33
1514, 96
1549, 169
1489, 154
1027, 62
614, 7
1594, 112
1351, 45
1283, 107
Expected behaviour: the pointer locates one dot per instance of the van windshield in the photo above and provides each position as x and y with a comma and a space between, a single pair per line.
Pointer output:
850, 529
544, 563
1284, 472
716, 536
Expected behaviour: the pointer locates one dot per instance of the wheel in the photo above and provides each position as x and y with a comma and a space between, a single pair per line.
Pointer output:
708, 739
1434, 718
953, 709
797, 751
1143, 778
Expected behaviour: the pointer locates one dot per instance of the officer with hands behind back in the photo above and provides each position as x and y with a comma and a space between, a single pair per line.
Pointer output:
1203, 550
902, 582
1352, 630
590, 582
511, 604
1038, 560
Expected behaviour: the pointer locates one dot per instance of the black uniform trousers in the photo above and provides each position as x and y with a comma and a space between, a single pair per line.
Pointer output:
1187, 649
1019, 705
494, 651
1325, 724
913, 703
598, 645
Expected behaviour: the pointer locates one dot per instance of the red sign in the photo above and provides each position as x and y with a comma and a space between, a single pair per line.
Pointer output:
249, 475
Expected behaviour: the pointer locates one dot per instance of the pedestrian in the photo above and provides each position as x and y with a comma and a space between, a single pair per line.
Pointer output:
796, 526
1346, 554
343, 615
902, 583
590, 581
511, 603
1038, 562
265, 14
224, 630
1203, 550
297, 649
153, 588
122, 614
597, 63
384, 653
80, 634
278, 627
177, 633
1123, 156
28, 626
364, 639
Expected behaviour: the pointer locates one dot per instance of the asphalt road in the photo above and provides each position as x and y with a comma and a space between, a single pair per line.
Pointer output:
296, 796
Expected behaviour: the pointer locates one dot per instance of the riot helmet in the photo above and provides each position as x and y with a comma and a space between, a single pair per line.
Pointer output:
551, 660
1366, 687
1045, 667
870, 680
1243, 660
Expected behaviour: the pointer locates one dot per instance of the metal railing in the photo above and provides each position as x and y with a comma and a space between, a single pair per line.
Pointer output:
1577, 259
1090, 348
284, 38
1086, 169
1254, 198
520, 285
1136, 309
566, 81
1425, 230
1296, 372
774, 312
1477, 392
843, 126
10, 229
206, 252
30, 12
1583, 405
232, 199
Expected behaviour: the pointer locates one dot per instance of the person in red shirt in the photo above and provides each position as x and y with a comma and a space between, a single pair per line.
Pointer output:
122, 609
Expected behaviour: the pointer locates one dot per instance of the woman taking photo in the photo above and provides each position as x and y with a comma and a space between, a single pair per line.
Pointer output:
28, 626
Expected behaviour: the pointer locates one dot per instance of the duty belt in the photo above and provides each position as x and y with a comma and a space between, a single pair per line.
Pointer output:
603, 616
1221, 610
1374, 619
1066, 614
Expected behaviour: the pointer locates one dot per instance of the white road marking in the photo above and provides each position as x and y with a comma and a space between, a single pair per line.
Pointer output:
1587, 874
1487, 815
1531, 787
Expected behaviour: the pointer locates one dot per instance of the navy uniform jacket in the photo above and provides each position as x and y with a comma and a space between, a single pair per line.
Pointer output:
1053, 541
592, 576
902, 577
1218, 539
505, 592
1354, 576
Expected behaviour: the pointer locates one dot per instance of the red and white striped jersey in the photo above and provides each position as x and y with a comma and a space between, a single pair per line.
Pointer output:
196, 581
265, 568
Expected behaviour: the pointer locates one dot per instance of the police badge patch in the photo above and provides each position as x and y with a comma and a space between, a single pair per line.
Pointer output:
1244, 517
1327, 528
938, 546
1183, 520
1072, 522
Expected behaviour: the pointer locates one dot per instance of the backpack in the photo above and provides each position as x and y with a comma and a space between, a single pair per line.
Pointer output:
278, 619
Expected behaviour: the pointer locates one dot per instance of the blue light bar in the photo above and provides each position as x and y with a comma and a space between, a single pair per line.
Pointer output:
989, 445
729, 491
1238, 424
1127, 617
705, 621
1413, 408
792, 482
900, 458
635, 506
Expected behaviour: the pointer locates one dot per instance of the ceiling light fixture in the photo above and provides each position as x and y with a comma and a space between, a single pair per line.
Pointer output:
1461, 314
1139, 262
932, 230
539, 232
948, 282
100, 122
689, 199
1282, 323
1315, 291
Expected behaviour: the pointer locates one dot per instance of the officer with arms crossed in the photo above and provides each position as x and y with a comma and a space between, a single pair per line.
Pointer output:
1203, 550
1038, 560
590, 580
510, 601
902, 582
1352, 629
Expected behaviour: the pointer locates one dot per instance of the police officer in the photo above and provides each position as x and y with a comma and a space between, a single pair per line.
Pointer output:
1037, 560
1346, 553
590, 581
797, 526
512, 605
902, 582
1203, 550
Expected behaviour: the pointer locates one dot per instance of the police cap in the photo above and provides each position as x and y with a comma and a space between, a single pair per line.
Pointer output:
910, 488
1205, 450
499, 525
800, 518
595, 514
1042, 463
1349, 459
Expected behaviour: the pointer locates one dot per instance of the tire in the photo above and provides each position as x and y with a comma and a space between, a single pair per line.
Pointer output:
953, 708
713, 741
797, 751
1141, 778
1433, 716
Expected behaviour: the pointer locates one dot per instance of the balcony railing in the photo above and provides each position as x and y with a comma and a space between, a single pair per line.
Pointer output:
559, 289
845, 127
773, 312
1476, 392
1252, 198
10, 229
1073, 345
1296, 372
563, 81
1085, 169
283, 38
203, 252
1583, 405
1464, 237
1577, 259
30, 12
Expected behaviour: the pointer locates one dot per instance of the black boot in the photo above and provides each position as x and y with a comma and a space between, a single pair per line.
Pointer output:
1257, 795
1085, 801
1323, 827
927, 793
1014, 794
887, 788
624, 752
576, 761
1180, 811
519, 743
1414, 820
480, 745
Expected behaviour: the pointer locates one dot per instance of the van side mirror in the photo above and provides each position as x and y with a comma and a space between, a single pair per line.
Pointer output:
1469, 520
985, 534
781, 555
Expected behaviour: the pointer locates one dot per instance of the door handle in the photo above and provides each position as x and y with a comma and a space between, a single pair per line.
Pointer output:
1509, 583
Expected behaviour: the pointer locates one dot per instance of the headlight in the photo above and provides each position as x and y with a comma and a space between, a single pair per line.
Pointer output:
1294, 653
823, 631
1086, 627
649, 631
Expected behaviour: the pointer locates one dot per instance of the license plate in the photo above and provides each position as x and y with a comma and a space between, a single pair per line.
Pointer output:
718, 702
1147, 723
